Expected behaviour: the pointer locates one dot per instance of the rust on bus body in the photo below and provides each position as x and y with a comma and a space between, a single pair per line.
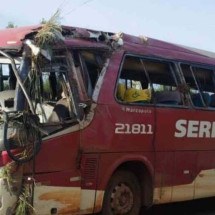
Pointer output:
70, 200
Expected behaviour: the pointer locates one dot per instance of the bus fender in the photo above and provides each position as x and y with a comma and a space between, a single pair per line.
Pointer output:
122, 160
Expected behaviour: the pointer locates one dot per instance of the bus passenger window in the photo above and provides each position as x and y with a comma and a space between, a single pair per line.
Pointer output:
147, 81
201, 85
89, 64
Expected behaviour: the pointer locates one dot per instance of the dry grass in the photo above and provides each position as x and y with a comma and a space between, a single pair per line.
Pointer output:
51, 32
23, 204
6, 173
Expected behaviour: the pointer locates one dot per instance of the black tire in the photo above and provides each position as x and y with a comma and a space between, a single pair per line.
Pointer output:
123, 195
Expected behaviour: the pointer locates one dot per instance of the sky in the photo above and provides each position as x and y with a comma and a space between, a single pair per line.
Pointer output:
185, 22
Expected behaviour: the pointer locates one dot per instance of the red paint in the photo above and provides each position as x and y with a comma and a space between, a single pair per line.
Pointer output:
95, 152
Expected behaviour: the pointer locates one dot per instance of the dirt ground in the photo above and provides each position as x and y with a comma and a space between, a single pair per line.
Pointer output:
197, 207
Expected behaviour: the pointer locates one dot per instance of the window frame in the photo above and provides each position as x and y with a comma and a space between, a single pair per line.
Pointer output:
178, 75
174, 73
201, 66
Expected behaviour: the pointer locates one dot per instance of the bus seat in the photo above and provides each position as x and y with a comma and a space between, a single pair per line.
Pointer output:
196, 99
136, 95
121, 91
212, 102
7, 99
60, 111
167, 97
207, 99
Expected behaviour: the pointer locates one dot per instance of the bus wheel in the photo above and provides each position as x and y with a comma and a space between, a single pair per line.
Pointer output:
123, 195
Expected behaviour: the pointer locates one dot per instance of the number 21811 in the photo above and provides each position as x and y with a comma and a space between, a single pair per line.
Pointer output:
122, 128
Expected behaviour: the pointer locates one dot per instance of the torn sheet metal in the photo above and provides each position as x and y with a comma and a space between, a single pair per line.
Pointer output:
12, 38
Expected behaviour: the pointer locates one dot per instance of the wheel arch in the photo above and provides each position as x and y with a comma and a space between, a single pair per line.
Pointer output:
143, 170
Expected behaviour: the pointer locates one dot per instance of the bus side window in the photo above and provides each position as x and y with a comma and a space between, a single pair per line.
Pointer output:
133, 85
164, 82
90, 64
201, 85
146, 81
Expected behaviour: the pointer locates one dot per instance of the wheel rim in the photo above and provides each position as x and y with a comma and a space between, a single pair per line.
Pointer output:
122, 199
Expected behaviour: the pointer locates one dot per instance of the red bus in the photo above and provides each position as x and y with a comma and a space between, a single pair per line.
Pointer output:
103, 122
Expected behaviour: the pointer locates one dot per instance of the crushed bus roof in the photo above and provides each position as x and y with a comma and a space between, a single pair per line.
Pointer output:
11, 39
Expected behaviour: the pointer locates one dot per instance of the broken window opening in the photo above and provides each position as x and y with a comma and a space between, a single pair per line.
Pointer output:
201, 85
53, 98
64, 84
91, 64
148, 81
58, 89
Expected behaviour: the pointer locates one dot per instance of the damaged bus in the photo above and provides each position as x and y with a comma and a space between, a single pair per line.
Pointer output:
96, 122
